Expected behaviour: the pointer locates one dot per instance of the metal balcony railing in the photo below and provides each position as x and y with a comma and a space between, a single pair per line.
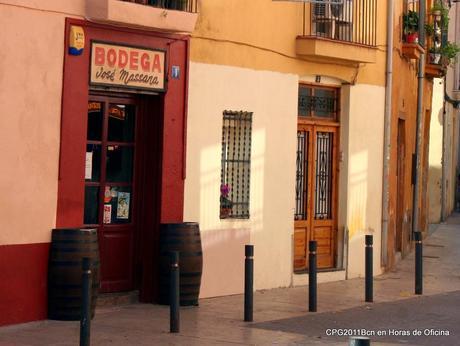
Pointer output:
353, 21
179, 5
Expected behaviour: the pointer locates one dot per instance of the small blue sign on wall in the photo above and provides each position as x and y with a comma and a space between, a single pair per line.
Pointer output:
175, 72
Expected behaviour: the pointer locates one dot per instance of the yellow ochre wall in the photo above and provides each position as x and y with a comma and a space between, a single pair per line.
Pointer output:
261, 35
404, 106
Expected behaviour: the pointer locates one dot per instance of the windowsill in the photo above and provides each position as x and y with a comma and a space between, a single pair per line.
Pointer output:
321, 48
434, 71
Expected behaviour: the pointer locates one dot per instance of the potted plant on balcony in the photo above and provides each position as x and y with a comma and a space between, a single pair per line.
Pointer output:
410, 27
440, 14
449, 52
226, 204
429, 29
435, 55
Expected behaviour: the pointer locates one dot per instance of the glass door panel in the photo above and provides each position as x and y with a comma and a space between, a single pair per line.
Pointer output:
109, 187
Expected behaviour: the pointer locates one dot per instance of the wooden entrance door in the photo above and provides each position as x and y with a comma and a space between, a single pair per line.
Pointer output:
110, 189
316, 180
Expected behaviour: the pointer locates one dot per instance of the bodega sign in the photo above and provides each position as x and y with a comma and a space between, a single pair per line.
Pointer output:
127, 67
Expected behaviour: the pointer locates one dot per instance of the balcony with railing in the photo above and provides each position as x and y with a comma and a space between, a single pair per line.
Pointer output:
176, 16
411, 48
440, 50
339, 30
179, 5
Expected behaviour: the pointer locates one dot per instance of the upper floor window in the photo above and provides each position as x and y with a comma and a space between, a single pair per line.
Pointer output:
352, 21
410, 21
319, 102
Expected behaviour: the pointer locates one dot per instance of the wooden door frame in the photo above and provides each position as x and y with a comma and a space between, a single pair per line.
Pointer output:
335, 185
313, 126
107, 99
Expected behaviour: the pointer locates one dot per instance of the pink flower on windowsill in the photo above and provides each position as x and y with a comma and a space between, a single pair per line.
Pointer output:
225, 202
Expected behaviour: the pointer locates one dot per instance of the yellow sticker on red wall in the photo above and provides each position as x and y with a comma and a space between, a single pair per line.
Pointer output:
76, 40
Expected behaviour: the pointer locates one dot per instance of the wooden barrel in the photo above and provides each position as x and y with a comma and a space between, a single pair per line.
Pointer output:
185, 238
68, 247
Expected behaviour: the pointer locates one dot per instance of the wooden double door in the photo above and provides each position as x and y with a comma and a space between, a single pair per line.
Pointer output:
316, 194
120, 174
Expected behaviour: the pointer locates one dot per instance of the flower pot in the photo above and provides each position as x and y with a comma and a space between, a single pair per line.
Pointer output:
225, 212
412, 37
435, 58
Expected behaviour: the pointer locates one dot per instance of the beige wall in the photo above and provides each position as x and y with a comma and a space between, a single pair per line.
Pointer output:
56, 7
364, 156
31, 58
435, 153
273, 99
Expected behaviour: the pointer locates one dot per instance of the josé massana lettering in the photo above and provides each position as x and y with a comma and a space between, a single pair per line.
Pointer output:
121, 66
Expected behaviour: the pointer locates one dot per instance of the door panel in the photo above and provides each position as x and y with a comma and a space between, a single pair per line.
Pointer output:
316, 218
324, 220
116, 268
110, 198
302, 218
300, 245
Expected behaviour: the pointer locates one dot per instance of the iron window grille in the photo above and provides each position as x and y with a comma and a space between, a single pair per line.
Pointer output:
301, 191
318, 102
323, 175
353, 21
180, 5
236, 165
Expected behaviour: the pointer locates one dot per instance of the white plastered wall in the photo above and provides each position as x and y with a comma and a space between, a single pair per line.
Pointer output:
272, 97
363, 153
435, 153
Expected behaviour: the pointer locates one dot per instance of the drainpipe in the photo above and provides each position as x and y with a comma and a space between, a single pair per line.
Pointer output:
418, 143
387, 133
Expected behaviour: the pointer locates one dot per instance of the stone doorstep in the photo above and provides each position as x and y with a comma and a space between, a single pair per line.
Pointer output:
118, 298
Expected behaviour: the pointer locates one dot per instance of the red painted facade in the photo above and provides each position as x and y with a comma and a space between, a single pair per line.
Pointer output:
74, 112
24, 268
23, 277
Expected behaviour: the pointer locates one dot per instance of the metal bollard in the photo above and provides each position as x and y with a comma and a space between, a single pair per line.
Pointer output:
248, 283
359, 341
418, 263
312, 274
174, 294
369, 290
85, 317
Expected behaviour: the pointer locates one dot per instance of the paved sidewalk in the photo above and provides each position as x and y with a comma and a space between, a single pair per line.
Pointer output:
280, 315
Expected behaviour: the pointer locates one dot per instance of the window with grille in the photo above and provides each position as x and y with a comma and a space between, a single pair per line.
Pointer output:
236, 165
318, 102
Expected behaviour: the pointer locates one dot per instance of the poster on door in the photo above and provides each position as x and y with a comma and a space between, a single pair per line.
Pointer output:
123, 205
89, 165
107, 213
